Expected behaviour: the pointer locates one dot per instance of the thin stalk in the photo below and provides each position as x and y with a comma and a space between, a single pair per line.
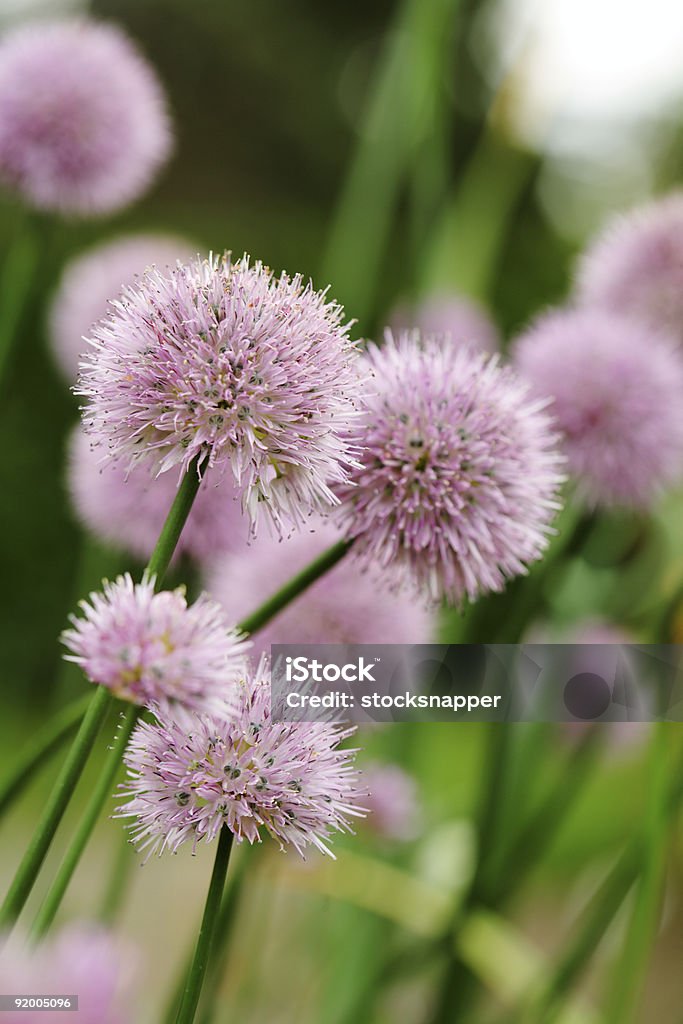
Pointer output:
41, 746
100, 701
221, 946
175, 521
195, 978
79, 840
631, 966
58, 800
542, 1007
398, 122
317, 568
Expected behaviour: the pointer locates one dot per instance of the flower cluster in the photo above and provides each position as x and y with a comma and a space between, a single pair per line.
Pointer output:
223, 360
392, 802
93, 279
635, 267
149, 647
83, 122
344, 606
460, 472
616, 388
189, 775
128, 509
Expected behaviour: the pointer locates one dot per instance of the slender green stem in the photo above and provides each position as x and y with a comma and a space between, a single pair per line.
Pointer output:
175, 521
542, 1007
41, 746
15, 284
219, 947
631, 966
317, 568
76, 758
56, 805
195, 978
79, 840
398, 122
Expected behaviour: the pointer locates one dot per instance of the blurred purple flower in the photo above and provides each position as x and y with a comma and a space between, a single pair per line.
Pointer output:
97, 276
635, 267
83, 960
392, 802
345, 606
83, 121
454, 317
190, 774
617, 390
149, 647
128, 509
460, 475
225, 360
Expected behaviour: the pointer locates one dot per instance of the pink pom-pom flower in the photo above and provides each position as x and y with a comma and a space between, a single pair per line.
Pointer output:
616, 388
152, 647
226, 362
83, 121
188, 775
460, 473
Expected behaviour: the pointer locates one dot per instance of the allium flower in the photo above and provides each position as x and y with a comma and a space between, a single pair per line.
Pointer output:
83, 122
344, 606
149, 647
225, 360
455, 317
460, 475
96, 277
391, 801
635, 267
191, 774
83, 960
617, 390
129, 509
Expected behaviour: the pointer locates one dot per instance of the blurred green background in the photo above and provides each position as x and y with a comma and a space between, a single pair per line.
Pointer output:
390, 150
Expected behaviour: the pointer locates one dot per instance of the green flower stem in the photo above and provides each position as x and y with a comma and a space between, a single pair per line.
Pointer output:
542, 1007
317, 568
56, 805
175, 521
79, 840
195, 978
16, 280
39, 749
631, 966
219, 946
100, 702
399, 122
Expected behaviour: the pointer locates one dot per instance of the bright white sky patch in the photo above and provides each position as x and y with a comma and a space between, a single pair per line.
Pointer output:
588, 60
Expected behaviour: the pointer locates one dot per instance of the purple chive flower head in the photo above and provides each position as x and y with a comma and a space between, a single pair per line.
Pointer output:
460, 473
81, 959
617, 390
635, 267
392, 803
189, 774
344, 606
83, 121
452, 317
227, 361
96, 277
128, 509
149, 647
